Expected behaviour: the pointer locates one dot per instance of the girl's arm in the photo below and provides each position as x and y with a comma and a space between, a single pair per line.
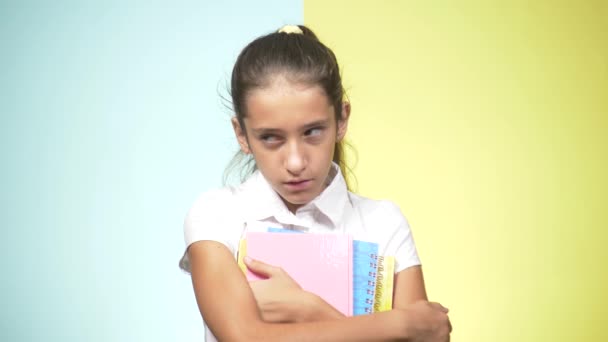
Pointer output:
410, 291
281, 299
409, 287
230, 310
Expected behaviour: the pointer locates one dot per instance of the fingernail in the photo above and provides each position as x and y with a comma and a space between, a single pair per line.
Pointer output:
247, 259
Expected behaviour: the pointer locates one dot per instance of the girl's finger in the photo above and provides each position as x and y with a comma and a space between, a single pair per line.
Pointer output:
260, 268
440, 307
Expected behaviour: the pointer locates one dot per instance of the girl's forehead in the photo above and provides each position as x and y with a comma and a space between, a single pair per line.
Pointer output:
285, 94
287, 101
287, 83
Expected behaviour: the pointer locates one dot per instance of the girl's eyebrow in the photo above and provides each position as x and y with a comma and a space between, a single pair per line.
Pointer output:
266, 130
305, 127
321, 122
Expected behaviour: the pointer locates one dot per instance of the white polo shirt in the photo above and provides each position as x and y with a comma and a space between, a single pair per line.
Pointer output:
224, 215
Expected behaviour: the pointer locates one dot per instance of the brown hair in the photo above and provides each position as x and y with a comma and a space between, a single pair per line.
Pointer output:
300, 57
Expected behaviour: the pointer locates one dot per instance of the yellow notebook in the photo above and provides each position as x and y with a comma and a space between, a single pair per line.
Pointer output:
241, 254
383, 298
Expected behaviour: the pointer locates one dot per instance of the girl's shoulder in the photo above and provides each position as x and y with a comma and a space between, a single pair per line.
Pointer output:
215, 216
384, 223
375, 207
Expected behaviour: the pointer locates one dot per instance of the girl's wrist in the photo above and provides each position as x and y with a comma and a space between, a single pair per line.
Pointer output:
304, 309
400, 324
308, 307
298, 308
317, 309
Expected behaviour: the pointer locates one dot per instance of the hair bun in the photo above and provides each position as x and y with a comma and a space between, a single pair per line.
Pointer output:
288, 29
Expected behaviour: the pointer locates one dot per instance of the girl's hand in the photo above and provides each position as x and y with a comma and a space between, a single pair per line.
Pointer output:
428, 322
281, 299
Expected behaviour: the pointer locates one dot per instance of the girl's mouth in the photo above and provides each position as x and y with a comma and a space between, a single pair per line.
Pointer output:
298, 185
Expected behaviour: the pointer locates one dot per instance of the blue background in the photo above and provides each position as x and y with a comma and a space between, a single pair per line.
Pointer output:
111, 124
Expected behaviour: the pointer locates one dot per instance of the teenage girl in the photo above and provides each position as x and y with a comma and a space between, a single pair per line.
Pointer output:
290, 119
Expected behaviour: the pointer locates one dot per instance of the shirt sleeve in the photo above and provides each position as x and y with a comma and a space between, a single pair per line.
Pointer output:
211, 217
400, 241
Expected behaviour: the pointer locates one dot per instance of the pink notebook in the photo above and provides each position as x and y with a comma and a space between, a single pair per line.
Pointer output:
320, 263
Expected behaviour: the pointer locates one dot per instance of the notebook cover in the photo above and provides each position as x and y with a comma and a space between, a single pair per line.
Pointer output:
319, 263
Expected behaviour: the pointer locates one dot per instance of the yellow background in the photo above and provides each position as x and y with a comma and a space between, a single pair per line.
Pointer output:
488, 124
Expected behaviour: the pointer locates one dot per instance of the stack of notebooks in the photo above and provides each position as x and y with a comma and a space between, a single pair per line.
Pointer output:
348, 274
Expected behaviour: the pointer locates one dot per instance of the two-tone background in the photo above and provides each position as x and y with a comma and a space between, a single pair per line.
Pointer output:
486, 121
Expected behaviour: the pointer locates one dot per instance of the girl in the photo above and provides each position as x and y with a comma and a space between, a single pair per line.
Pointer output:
290, 119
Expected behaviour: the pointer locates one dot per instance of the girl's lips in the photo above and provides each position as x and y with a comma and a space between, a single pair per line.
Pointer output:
298, 185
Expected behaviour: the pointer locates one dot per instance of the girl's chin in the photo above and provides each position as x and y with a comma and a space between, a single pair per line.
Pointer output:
297, 201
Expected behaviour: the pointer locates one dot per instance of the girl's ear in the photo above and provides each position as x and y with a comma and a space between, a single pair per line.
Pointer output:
241, 136
343, 122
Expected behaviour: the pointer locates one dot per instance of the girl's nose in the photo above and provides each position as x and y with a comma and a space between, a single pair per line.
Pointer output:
296, 161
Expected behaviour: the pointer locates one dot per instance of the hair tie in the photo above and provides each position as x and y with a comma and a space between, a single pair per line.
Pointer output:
291, 29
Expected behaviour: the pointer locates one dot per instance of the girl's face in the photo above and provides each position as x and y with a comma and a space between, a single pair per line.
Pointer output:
291, 130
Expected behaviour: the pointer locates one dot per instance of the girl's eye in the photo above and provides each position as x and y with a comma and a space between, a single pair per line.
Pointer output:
269, 139
314, 132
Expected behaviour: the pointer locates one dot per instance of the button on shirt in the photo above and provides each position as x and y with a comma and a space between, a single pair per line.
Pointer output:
224, 215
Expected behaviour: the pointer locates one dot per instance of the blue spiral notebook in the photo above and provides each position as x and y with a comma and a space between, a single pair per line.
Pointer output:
365, 266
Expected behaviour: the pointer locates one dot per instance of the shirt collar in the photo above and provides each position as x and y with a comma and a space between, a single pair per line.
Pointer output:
263, 202
260, 200
332, 201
